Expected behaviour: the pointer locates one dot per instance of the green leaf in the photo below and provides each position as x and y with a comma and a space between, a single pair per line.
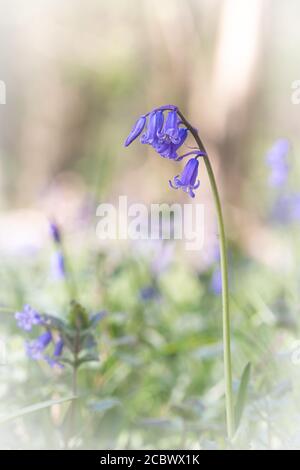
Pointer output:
162, 423
242, 395
78, 316
54, 322
33, 408
87, 358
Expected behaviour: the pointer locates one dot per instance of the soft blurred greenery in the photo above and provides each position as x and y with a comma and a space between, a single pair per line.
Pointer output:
77, 76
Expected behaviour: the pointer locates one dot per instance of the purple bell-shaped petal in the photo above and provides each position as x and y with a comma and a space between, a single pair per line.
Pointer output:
136, 130
188, 178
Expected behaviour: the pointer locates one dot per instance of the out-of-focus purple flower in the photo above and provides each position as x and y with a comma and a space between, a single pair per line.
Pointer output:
276, 159
58, 348
36, 347
281, 211
286, 208
188, 178
58, 265
27, 318
149, 293
278, 175
278, 151
216, 282
55, 232
54, 360
295, 207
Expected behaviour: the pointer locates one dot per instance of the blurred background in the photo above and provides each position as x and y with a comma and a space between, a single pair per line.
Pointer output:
77, 75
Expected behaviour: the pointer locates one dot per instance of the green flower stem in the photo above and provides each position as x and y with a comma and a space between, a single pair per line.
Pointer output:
225, 292
73, 406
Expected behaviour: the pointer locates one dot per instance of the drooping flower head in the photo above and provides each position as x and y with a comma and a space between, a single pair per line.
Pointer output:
27, 318
164, 130
188, 178
276, 159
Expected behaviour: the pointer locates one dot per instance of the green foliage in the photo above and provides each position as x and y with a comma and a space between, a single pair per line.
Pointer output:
150, 371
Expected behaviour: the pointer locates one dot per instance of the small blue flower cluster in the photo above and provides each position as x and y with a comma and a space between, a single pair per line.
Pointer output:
166, 135
35, 349
27, 318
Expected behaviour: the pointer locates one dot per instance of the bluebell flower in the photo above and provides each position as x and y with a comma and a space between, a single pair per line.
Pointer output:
276, 159
171, 127
58, 265
58, 349
148, 293
165, 134
27, 318
168, 149
36, 347
166, 131
153, 130
188, 178
55, 232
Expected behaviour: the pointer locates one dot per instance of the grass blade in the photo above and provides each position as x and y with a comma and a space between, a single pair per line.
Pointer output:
242, 394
